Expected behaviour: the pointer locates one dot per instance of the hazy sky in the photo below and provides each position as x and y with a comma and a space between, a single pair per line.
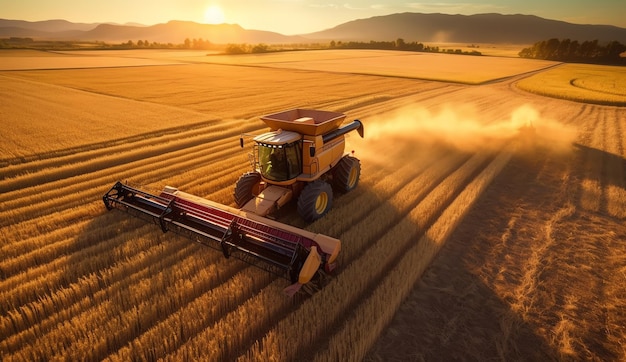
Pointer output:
300, 16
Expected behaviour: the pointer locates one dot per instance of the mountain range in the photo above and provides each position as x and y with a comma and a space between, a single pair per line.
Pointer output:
171, 32
479, 28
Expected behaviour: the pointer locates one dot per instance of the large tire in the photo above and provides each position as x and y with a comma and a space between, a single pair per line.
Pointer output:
315, 200
245, 187
346, 174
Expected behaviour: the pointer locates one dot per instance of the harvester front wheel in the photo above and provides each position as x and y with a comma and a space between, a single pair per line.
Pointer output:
247, 187
315, 200
346, 174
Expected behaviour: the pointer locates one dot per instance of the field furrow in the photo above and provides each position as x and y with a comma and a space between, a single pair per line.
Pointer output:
263, 323
71, 192
81, 283
38, 173
614, 173
591, 190
370, 266
39, 161
352, 338
174, 150
79, 296
212, 306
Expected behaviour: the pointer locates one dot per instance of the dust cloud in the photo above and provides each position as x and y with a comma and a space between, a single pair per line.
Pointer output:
461, 127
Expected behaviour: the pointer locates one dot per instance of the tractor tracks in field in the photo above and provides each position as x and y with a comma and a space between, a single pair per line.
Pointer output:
541, 242
429, 206
262, 327
366, 208
383, 224
377, 255
74, 162
26, 202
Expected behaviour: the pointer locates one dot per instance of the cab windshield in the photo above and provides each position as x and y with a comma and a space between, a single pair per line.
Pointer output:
280, 162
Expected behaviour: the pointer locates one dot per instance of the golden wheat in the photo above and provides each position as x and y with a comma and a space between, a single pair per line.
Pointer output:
82, 283
355, 337
580, 82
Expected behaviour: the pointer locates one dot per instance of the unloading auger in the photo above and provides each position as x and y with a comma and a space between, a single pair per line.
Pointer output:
301, 156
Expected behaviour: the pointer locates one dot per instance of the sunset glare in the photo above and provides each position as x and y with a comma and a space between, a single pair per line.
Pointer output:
214, 15
299, 16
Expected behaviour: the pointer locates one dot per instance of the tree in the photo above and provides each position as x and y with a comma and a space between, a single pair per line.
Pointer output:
236, 49
573, 50
260, 48
614, 50
563, 50
400, 44
568, 50
588, 49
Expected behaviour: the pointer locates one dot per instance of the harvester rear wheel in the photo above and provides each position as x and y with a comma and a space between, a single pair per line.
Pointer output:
247, 187
346, 174
315, 200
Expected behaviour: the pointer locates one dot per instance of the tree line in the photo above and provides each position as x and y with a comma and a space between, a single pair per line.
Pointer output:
202, 44
30, 43
573, 51
398, 44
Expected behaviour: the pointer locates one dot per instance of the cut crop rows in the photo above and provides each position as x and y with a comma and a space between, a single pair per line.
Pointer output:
80, 283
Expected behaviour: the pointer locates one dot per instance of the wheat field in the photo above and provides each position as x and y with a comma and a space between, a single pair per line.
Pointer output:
444, 169
599, 84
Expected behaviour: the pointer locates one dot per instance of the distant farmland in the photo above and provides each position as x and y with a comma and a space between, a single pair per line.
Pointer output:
482, 240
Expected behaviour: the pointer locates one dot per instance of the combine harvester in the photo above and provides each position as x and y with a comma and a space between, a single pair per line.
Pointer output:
299, 158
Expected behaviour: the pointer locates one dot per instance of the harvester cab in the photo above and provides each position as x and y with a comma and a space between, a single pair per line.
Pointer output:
279, 156
299, 158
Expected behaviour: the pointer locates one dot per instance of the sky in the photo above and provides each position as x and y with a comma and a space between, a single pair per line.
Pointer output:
291, 17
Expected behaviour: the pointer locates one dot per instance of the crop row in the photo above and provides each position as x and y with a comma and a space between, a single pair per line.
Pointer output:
57, 195
602, 185
355, 282
239, 318
366, 321
82, 283
48, 170
147, 322
24, 283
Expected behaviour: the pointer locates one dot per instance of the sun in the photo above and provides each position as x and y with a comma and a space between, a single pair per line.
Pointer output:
214, 15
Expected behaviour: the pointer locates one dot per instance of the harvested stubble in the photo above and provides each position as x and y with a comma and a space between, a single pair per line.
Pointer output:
432, 66
124, 290
369, 268
350, 342
66, 118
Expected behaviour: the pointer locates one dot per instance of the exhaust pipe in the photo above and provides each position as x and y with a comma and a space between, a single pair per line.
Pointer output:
356, 124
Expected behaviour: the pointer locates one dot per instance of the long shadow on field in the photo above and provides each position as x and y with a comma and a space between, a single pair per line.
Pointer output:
454, 312
612, 166
510, 284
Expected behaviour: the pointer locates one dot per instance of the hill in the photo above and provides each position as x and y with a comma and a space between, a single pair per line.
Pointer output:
480, 28
171, 32
46, 26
